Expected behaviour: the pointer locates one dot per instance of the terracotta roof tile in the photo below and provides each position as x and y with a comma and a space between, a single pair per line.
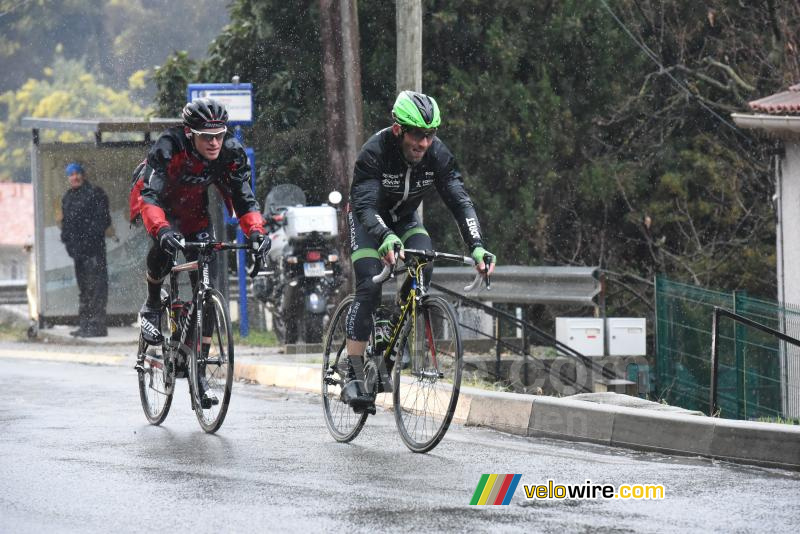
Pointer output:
783, 103
16, 214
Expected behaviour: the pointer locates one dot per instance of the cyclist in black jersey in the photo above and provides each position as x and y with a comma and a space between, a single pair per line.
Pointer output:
393, 171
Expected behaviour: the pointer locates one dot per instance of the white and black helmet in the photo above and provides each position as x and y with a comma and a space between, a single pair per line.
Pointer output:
204, 113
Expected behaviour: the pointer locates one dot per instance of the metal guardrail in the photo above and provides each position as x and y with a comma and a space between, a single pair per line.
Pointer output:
520, 284
13, 292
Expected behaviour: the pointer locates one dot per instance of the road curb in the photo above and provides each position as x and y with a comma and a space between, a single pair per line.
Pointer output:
671, 432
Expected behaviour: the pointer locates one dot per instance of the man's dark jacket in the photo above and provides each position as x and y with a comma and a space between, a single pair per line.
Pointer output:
86, 218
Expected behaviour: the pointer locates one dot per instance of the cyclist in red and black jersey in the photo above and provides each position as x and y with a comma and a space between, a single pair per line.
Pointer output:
173, 199
395, 168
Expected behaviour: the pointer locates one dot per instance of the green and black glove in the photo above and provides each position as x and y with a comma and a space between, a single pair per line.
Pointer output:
479, 252
388, 245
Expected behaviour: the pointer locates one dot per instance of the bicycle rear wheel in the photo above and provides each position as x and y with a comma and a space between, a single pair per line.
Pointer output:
156, 384
211, 358
343, 424
427, 375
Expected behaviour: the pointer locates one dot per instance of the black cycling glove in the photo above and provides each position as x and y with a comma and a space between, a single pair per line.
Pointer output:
259, 243
170, 241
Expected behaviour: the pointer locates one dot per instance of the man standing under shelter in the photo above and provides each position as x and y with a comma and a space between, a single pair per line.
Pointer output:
85, 219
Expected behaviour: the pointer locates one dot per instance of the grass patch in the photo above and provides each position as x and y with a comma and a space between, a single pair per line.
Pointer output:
10, 332
256, 338
475, 382
779, 420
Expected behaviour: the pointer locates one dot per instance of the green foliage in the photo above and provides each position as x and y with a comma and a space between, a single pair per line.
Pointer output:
171, 79
68, 91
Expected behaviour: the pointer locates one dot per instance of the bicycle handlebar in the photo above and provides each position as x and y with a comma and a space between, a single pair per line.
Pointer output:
388, 270
217, 246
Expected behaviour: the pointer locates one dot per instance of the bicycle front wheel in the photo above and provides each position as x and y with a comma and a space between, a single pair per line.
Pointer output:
211, 362
156, 382
427, 374
343, 424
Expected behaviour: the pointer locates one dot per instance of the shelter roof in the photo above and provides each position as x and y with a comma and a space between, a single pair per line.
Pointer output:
101, 125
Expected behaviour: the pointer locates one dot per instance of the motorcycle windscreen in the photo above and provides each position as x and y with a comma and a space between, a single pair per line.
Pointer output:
283, 196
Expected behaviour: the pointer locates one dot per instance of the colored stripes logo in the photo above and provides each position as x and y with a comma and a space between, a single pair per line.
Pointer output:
495, 489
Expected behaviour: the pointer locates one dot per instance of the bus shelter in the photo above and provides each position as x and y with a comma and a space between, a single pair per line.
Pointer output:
109, 160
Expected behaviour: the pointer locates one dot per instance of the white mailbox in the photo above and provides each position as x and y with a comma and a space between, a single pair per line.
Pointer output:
584, 334
627, 336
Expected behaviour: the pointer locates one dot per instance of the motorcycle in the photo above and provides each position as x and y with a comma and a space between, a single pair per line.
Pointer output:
303, 275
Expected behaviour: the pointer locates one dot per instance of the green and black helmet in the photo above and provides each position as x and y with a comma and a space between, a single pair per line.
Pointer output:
415, 110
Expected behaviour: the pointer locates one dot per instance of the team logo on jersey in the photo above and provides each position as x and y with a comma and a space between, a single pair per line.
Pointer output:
472, 224
391, 180
195, 180
351, 223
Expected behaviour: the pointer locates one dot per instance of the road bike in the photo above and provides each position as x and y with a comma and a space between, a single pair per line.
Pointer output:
421, 349
197, 344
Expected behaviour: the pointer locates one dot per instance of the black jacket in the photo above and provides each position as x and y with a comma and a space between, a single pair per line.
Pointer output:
386, 188
86, 218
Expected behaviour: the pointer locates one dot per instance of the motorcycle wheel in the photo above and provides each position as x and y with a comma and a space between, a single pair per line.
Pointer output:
285, 329
313, 324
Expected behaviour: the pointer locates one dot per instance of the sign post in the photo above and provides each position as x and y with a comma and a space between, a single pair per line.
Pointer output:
238, 100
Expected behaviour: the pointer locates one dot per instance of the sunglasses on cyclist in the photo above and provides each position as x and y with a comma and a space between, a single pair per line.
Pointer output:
208, 136
417, 134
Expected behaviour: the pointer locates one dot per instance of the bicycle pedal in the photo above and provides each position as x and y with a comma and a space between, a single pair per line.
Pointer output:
207, 403
370, 409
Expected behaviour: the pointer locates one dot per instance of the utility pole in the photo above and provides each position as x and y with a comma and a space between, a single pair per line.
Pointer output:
341, 73
408, 21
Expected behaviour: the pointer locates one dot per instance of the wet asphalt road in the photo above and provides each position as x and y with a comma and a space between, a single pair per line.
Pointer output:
78, 456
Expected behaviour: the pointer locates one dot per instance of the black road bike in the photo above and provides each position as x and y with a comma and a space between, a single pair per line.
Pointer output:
198, 344
421, 348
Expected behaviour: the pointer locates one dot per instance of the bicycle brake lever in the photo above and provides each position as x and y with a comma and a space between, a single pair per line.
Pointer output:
487, 262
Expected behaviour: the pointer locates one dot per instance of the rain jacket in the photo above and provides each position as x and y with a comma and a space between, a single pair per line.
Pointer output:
386, 188
171, 187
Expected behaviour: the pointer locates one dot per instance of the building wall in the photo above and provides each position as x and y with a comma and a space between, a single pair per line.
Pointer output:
788, 245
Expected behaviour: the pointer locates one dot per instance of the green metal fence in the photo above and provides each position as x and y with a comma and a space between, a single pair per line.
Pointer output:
753, 378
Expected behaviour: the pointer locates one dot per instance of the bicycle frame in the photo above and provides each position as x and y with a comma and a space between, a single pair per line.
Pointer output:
408, 304
205, 250
417, 288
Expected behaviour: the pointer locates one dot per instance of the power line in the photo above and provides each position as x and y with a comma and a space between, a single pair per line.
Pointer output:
654, 57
